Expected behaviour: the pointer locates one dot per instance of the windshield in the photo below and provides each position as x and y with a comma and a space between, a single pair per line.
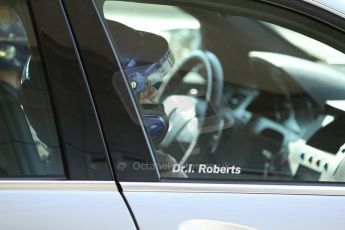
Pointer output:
338, 6
323, 52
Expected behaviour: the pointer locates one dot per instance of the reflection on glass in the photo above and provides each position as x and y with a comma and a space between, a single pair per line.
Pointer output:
244, 99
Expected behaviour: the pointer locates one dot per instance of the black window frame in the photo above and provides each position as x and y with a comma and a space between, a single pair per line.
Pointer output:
52, 31
100, 63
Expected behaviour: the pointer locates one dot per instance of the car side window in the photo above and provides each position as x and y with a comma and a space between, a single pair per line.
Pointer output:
225, 95
29, 144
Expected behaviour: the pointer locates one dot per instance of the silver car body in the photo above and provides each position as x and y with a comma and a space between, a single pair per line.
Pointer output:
172, 206
62, 205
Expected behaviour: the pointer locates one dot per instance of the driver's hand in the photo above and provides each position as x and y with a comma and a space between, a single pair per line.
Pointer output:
148, 95
167, 163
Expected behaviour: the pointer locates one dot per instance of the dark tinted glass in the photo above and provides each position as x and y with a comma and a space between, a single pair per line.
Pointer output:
28, 138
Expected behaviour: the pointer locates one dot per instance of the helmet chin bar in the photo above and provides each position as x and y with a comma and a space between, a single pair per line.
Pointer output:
156, 122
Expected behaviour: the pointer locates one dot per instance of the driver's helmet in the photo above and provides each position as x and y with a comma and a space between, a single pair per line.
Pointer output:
14, 50
146, 59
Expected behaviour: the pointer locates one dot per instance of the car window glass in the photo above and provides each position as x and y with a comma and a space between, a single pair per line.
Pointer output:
226, 96
28, 139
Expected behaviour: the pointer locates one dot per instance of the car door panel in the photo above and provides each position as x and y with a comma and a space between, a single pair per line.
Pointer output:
255, 206
62, 205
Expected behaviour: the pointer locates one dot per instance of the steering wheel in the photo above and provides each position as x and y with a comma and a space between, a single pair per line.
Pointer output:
210, 119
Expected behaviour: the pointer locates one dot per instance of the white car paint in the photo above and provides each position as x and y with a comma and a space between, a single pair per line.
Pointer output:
64, 205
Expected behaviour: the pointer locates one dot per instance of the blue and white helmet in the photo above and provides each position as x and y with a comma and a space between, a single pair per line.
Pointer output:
146, 59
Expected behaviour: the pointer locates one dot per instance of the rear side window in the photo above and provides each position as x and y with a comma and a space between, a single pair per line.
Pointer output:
28, 138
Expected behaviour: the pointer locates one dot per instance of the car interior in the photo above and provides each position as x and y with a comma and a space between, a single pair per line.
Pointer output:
250, 95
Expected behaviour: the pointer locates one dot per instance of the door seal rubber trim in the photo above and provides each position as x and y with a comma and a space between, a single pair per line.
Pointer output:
58, 185
233, 188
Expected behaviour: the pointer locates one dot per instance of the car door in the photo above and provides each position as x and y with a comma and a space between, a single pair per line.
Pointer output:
54, 171
219, 115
